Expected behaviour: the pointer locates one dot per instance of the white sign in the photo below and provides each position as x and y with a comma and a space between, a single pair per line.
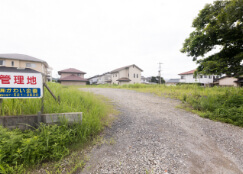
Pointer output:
21, 85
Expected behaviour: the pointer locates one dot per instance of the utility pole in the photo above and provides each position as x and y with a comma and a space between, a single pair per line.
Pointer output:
160, 73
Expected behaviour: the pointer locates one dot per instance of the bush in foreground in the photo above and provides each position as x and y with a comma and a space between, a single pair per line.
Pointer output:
49, 142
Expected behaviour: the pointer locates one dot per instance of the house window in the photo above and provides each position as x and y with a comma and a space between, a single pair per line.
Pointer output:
30, 65
137, 75
205, 76
79, 74
134, 75
12, 63
2, 62
201, 76
182, 77
209, 77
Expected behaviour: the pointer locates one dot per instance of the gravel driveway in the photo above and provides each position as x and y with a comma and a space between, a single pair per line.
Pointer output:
153, 136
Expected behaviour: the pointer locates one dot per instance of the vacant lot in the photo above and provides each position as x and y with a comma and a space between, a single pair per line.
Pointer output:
151, 135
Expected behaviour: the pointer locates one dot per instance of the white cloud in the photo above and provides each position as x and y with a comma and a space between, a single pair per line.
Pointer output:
98, 36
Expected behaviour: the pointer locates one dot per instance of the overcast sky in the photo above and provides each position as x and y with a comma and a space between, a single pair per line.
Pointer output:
96, 36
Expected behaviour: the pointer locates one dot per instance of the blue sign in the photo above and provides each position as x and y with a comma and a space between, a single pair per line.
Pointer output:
20, 92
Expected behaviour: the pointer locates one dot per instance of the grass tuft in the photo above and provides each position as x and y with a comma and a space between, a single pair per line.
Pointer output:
23, 149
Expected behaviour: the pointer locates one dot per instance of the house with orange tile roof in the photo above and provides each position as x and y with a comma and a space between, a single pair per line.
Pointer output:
72, 76
189, 77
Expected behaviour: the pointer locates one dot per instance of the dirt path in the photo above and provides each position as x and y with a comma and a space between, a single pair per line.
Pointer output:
151, 135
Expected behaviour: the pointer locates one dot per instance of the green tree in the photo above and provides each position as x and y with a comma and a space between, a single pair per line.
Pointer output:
218, 25
156, 79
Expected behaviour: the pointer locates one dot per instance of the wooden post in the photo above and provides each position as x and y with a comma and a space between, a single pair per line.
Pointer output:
1, 101
57, 99
42, 101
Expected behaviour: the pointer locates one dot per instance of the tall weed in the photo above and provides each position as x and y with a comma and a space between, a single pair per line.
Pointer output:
20, 149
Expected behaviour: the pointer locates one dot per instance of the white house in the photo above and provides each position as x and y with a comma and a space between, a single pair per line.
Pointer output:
144, 80
104, 78
188, 77
130, 74
93, 80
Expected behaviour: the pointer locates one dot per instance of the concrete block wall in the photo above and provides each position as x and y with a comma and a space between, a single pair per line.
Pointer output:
30, 121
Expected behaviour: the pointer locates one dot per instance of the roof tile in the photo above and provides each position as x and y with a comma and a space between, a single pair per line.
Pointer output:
124, 67
73, 78
124, 79
188, 72
71, 70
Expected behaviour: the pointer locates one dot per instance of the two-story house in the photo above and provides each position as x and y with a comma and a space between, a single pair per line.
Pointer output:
105, 78
189, 77
22, 61
93, 80
130, 74
72, 76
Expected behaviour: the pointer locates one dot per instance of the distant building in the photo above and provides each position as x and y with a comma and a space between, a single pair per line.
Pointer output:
149, 79
144, 80
189, 77
104, 78
229, 81
93, 80
130, 74
72, 76
22, 61
173, 81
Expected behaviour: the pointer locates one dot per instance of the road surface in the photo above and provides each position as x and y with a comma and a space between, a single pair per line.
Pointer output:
151, 135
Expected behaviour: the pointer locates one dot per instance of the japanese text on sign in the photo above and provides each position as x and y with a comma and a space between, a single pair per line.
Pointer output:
20, 85
5, 79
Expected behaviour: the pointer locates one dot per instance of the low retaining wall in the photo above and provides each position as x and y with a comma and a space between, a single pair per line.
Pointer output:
28, 121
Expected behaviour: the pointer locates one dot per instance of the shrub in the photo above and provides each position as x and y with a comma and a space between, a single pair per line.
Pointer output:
19, 149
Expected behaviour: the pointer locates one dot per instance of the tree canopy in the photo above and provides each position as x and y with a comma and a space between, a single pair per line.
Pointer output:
156, 79
218, 25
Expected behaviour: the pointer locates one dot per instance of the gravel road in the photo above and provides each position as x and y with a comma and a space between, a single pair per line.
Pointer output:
153, 136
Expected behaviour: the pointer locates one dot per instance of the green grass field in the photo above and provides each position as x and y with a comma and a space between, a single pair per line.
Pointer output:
20, 150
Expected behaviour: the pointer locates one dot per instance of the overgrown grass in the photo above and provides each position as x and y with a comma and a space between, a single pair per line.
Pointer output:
223, 104
72, 100
20, 150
